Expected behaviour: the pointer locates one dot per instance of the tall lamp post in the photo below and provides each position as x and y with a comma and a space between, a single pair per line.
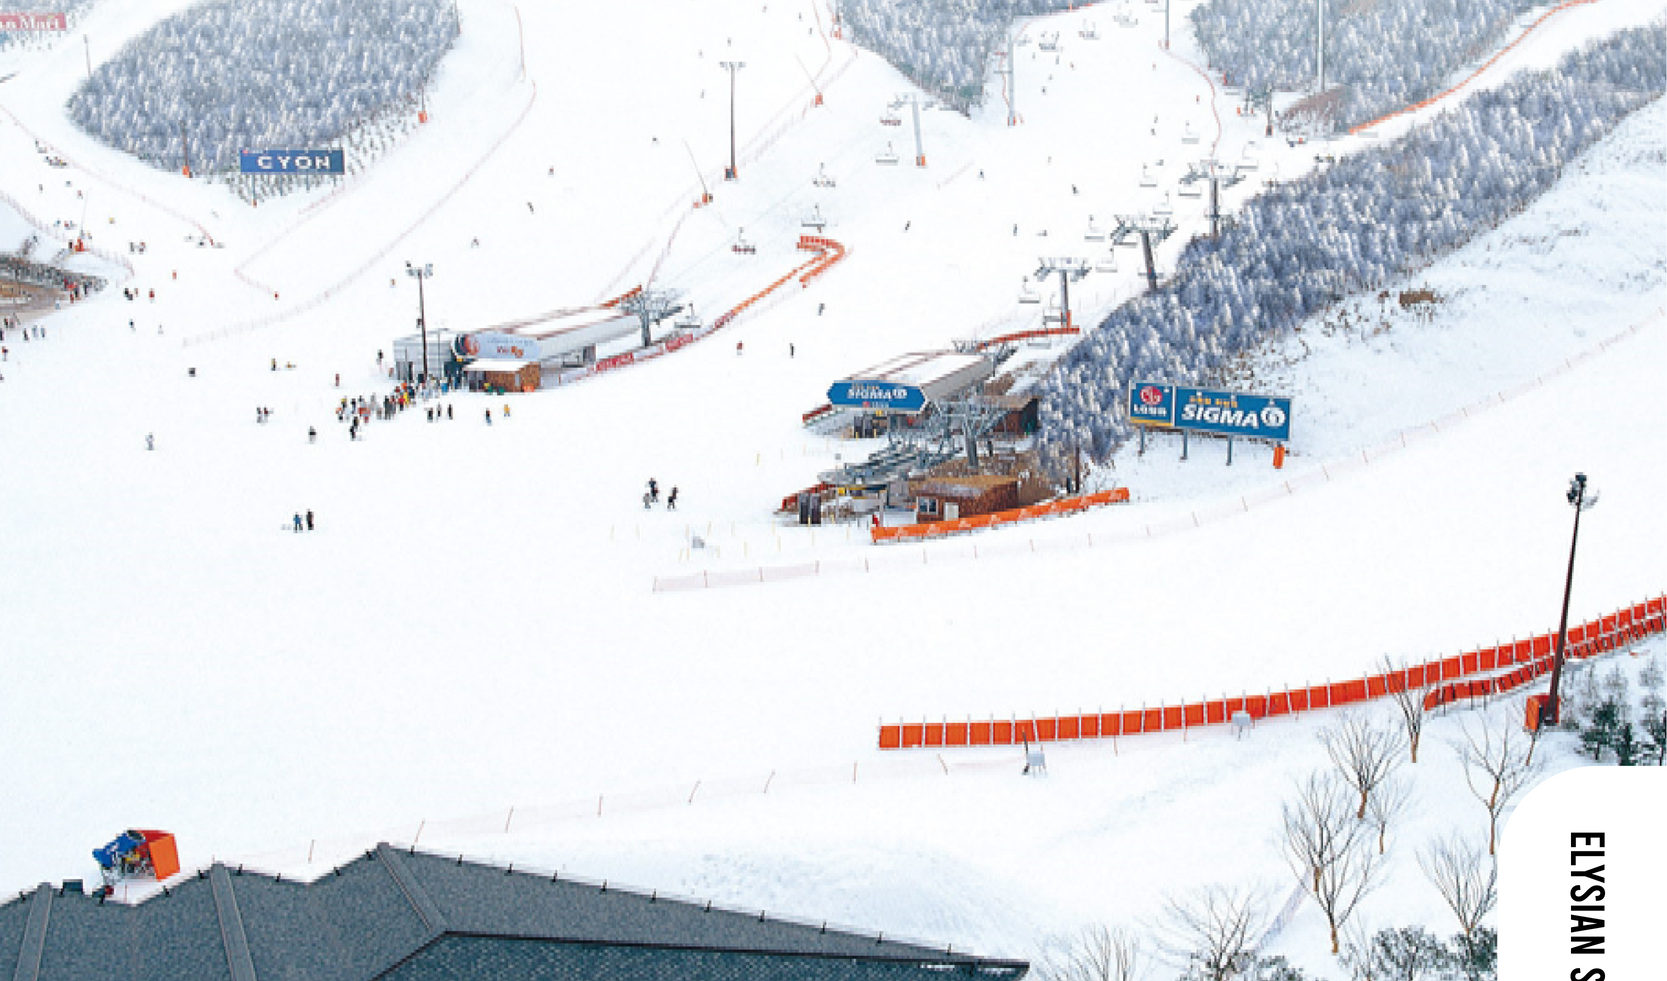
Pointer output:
421, 273
1580, 500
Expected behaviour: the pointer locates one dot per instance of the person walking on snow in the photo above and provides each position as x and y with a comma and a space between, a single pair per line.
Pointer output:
671, 499
489, 417
647, 501
653, 490
309, 519
298, 521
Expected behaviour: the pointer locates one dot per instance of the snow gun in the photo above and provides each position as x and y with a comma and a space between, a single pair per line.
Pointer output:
137, 854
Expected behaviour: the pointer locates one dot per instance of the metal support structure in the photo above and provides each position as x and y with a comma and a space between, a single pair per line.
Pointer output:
733, 67
1068, 270
1551, 709
421, 273
1319, 46
1151, 268
651, 307
88, 46
914, 109
184, 148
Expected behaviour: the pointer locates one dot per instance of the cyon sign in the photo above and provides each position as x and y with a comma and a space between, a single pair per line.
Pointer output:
292, 162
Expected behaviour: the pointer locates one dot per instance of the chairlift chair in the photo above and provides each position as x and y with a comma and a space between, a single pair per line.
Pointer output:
822, 179
886, 156
1191, 189
1164, 207
1088, 32
1147, 178
1094, 233
742, 246
815, 219
1106, 263
1027, 292
1188, 135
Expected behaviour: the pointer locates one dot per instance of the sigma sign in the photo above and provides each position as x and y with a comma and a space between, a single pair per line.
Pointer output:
292, 162
1228, 413
877, 395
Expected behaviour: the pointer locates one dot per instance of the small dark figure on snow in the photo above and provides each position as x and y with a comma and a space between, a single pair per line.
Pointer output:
312, 435
448, 410
150, 441
297, 521
653, 489
647, 501
309, 519
671, 500
489, 417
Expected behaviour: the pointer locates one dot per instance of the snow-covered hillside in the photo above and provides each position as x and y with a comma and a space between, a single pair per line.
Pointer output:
469, 652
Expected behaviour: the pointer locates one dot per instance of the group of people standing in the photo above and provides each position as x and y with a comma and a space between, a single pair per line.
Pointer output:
651, 496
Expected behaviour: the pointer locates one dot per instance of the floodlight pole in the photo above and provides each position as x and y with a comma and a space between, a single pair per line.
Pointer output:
88, 45
1319, 45
421, 273
733, 67
1551, 710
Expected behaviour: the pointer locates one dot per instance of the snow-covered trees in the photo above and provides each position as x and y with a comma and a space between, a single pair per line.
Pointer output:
261, 74
1380, 56
1360, 224
943, 46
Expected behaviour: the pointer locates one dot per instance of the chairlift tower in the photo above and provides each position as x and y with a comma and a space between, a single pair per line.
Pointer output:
651, 307
1215, 172
1319, 46
732, 67
1069, 270
1260, 99
1150, 228
1012, 87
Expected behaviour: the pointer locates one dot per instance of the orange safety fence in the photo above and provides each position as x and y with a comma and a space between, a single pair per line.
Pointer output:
1446, 679
932, 529
1024, 335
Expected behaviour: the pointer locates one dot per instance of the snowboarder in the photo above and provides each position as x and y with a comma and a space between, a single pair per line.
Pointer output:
506, 410
790, 349
489, 417
338, 379
671, 499
312, 435
737, 348
309, 519
150, 441
530, 208
297, 521
448, 410
820, 307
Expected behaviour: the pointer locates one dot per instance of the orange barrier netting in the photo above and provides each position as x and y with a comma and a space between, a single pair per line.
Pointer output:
1446, 679
1432, 100
1024, 335
1065, 505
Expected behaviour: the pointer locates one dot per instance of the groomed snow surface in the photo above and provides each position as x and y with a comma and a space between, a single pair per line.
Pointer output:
471, 639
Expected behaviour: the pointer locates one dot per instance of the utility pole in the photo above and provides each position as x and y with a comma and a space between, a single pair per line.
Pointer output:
421, 273
1151, 228
184, 148
88, 45
1012, 86
1551, 710
733, 67
1319, 44
914, 108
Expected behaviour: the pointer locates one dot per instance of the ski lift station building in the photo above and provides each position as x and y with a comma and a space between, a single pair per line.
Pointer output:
939, 376
532, 351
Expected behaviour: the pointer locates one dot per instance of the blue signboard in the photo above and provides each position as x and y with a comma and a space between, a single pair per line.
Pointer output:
1227, 413
292, 162
891, 396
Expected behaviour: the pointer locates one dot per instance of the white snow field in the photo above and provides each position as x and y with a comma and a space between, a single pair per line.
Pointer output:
470, 654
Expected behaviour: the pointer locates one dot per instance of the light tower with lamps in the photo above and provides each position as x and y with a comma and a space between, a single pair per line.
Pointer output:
1581, 499
733, 67
421, 273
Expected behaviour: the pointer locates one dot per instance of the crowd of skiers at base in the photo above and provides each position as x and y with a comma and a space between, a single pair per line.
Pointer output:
9, 325
651, 496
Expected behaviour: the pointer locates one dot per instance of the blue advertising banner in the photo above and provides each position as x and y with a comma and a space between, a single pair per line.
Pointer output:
292, 162
877, 395
1227, 413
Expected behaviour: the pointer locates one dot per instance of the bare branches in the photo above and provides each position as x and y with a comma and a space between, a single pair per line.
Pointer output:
1097, 954
1324, 844
1495, 769
1387, 803
1214, 932
1464, 877
1364, 755
1409, 700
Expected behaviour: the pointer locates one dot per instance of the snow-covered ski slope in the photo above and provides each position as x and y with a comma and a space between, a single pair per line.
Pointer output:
473, 628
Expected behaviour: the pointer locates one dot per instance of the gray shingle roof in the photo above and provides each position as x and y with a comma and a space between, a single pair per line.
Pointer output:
411, 916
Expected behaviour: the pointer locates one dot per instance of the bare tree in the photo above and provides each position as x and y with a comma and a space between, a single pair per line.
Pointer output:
1319, 827
1495, 769
1409, 700
1097, 954
1343, 883
1213, 934
1364, 755
1386, 804
1465, 878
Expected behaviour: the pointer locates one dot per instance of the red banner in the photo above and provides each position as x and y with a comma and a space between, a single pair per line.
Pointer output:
33, 22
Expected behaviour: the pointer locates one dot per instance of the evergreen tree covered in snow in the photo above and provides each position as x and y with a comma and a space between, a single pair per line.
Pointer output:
261, 74
1368, 220
1380, 56
943, 46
